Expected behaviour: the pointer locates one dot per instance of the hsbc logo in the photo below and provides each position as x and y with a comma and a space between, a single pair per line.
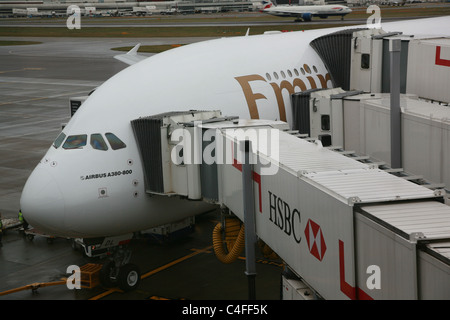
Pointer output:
315, 240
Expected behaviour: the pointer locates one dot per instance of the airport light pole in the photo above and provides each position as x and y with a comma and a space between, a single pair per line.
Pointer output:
396, 119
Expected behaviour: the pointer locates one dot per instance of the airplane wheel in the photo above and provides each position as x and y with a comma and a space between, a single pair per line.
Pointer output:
129, 277
105, 274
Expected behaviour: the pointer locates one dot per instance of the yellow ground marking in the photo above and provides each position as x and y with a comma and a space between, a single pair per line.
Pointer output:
154, 271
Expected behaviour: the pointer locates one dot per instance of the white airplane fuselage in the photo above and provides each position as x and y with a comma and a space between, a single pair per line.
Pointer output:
86, 192
321, 10
63, 194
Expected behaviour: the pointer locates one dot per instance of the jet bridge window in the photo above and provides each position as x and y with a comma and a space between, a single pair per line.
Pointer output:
325, 122
75, 142
114, 141
365, 61
97, 142
59, 140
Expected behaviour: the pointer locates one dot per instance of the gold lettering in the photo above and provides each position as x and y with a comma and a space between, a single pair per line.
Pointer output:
299, 83
291, 90
280, 102
312, 82
324, 80
251, 97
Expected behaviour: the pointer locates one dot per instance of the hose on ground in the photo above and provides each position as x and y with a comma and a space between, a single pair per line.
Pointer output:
234, 239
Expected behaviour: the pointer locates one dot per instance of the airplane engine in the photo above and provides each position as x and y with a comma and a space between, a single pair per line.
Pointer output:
307, 16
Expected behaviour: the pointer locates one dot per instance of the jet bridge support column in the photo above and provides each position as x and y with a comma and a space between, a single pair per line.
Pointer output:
396, 121
249, 218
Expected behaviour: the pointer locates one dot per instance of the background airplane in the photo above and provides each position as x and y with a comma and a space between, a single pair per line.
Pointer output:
305, 13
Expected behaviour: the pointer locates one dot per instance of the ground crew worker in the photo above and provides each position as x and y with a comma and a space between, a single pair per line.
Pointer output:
22, 220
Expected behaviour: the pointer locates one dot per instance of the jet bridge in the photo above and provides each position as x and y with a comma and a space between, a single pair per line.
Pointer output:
345, 229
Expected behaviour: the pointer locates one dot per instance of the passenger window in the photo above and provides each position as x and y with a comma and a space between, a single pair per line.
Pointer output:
59, 140
115, 142
97, 142
75, 142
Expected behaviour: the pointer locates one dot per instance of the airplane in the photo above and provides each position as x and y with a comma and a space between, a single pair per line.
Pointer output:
90, 183
305, 13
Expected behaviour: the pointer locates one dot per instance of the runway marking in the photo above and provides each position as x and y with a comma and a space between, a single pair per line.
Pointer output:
26, 100
163, 298
19, 70
201, 250
106, 293
58, 82
164, 267
157, 298
34, 123
42, 98
170, 264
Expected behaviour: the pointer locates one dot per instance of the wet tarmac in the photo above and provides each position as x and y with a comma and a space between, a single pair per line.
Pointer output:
183, 269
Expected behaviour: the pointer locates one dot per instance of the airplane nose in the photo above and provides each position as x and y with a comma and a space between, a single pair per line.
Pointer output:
42, 202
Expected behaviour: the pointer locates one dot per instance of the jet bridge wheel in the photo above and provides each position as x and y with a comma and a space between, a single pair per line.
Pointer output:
129, 277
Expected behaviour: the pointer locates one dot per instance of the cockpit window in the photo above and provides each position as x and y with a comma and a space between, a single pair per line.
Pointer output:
97, 142
115, 142
59, 140
75, 142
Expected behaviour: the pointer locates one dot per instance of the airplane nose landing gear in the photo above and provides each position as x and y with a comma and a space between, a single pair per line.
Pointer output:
117, 271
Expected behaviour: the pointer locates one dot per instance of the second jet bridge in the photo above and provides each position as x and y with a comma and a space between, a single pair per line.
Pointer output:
346, 229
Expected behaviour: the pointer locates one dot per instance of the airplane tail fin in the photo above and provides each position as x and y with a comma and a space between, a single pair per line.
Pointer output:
267, 4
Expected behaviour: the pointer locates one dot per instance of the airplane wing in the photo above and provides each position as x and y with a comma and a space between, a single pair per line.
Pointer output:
131, 57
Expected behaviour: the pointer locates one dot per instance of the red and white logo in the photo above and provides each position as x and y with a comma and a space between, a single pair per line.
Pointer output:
315, 240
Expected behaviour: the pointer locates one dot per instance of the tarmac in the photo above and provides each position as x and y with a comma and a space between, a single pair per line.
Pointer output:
36, 82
